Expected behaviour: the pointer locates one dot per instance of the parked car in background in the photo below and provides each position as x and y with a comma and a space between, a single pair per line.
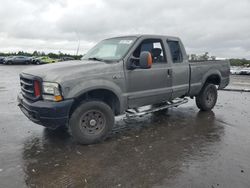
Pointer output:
17, 60
240, 70
43, 60
67, 58
2, 59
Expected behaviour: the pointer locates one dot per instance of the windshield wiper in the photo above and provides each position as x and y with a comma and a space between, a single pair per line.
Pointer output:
99, 59
96, 59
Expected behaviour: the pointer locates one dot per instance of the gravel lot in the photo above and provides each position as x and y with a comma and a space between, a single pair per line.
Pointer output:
183, 148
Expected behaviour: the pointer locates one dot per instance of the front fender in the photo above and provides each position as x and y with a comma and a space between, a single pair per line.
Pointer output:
93, 84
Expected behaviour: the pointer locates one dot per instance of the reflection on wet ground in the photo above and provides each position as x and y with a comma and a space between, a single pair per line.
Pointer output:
141, 154
182, 148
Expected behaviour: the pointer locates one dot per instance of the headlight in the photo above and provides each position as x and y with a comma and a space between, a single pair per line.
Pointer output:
51, 91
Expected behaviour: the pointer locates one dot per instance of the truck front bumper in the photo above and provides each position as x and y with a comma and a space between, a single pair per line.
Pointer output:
46, 113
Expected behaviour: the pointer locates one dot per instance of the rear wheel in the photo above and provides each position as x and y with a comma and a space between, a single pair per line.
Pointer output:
91, 122
207, 97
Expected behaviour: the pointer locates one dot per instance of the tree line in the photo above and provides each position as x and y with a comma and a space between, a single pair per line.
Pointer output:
202, 57
206, 56
240, 62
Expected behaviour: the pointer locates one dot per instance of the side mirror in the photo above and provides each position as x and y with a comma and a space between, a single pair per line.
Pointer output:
145, 60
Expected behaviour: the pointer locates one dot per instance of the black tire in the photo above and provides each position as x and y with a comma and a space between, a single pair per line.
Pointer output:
37, 62
91, 122
207, 97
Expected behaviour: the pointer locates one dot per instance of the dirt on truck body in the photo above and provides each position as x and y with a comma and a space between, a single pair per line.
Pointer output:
115, 76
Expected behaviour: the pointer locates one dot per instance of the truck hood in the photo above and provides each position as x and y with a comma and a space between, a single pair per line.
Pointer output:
57, 72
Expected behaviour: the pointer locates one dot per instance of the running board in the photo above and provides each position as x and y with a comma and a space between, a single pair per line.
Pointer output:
130, 113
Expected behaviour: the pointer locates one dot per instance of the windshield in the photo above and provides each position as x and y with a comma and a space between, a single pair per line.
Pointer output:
110, 49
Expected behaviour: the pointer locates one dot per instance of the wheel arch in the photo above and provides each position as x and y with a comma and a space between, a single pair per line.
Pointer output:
213, 77
105, 95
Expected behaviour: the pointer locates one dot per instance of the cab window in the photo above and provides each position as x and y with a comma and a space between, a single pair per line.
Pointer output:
155, 47
175, 51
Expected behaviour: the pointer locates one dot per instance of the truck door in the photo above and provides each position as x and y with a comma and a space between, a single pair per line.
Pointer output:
180, 68
148, 86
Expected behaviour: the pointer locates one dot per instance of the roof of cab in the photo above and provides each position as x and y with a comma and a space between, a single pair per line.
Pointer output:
148, 36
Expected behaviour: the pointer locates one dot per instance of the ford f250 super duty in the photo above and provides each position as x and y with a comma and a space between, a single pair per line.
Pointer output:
118, 75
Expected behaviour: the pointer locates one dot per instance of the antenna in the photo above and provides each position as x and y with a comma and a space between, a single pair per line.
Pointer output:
77, 50
79, 42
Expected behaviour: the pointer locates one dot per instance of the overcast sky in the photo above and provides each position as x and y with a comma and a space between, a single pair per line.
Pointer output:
221, 27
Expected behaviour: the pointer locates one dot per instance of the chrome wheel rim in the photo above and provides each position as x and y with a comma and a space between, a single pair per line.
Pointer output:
92, 122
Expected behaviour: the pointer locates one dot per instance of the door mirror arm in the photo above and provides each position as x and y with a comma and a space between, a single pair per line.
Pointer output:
132, 65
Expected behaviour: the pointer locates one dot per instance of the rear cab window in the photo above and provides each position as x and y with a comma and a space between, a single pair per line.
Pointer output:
175, 51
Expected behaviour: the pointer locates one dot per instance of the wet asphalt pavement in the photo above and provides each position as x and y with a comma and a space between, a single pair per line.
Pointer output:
183, 148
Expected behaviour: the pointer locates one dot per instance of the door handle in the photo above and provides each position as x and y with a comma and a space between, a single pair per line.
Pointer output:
169, 72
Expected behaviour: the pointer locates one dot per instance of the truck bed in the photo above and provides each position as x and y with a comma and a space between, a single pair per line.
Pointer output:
200, 70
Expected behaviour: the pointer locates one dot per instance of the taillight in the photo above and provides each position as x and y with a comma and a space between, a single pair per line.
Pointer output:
37, 88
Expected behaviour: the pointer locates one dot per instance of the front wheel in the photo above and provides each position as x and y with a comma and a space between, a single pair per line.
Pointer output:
207, 97
91, 122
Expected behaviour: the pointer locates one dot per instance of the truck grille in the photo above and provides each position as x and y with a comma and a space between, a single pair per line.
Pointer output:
27, 87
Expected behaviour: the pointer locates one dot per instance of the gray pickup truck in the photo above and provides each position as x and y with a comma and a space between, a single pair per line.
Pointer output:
117, 76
